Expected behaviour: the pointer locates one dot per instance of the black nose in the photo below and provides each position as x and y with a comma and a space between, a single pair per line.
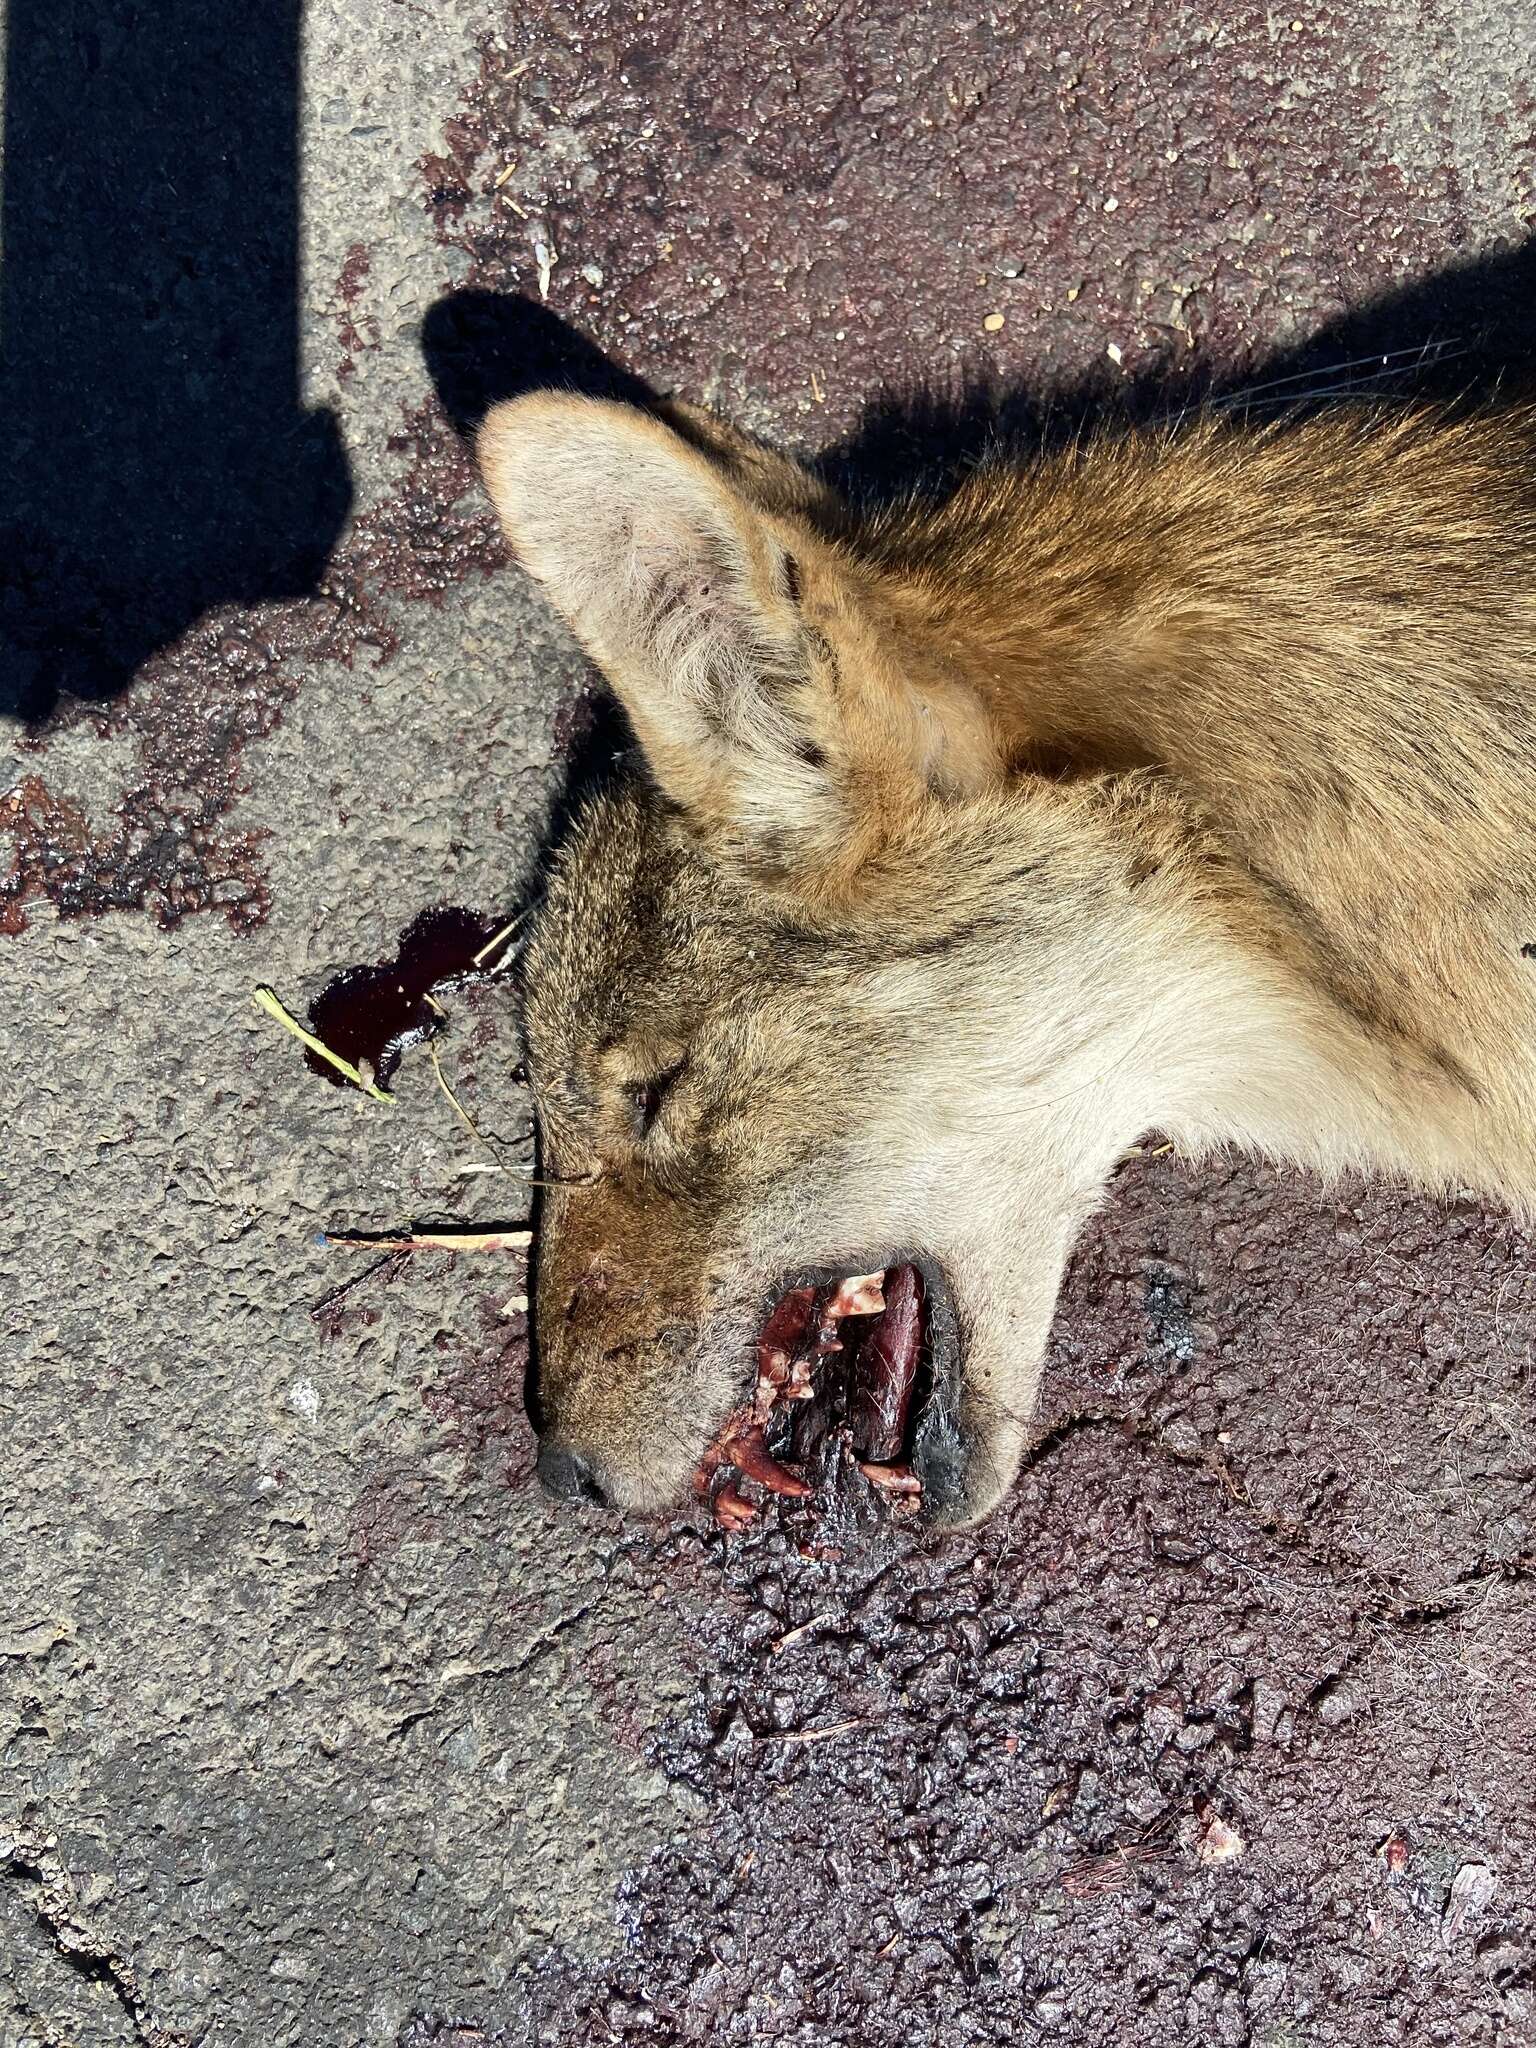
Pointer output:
565, 1476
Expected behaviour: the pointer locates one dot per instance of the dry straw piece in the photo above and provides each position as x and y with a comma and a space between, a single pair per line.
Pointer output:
266, 1000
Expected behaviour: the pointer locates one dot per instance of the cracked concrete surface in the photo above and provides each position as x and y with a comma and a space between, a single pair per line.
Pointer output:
317, 1726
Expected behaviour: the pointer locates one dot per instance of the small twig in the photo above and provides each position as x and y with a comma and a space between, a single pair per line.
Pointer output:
266, 1000
387, 1266
1094, 1876
817, 1734
462, 1113
494, 945
429, 1241
806, 1628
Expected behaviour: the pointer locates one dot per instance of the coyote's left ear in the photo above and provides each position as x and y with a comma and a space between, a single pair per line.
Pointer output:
685, 595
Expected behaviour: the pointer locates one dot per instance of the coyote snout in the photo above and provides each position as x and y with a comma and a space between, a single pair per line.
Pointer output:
1186, 782
628, 1336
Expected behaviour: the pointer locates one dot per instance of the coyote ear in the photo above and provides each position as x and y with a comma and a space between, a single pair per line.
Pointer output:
684, 595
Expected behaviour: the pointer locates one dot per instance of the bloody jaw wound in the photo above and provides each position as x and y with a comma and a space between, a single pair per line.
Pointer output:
812, 1386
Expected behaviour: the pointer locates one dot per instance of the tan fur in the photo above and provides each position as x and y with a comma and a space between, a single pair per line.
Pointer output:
1184, 781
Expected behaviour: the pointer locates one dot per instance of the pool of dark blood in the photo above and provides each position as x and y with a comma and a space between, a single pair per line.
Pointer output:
840, 1359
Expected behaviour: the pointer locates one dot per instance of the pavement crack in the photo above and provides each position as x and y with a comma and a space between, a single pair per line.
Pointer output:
467, 1674
543, 1641
29, 1860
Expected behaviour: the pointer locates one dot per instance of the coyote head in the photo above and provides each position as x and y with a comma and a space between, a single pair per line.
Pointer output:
827, 984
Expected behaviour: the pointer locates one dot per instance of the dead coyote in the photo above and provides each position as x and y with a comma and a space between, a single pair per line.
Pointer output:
1183, 781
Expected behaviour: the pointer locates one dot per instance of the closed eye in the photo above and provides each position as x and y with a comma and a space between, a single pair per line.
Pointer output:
649, 1098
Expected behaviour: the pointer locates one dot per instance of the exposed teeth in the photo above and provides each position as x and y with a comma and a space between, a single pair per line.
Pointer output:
732, 1510
899, 1483
783, 1369
862, 1294
798, 1335
753, 1460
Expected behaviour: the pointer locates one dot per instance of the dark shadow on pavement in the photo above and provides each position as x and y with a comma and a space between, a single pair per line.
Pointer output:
158, 460
1463, 335
483, 347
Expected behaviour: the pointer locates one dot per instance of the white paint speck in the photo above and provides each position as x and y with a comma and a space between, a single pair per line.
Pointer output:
1220, 1842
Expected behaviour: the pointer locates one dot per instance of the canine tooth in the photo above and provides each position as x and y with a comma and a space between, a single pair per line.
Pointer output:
751, 1457
896, 1481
